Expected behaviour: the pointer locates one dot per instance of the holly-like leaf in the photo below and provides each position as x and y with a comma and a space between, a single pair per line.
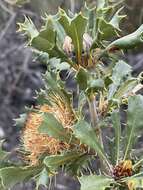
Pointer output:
46, 39
19, 122
29, 29
134, 122
126, 88
13, 175
95, 182
115, 21
117, 127
120, 73
127, 42
75, 28
53, 128
58, 28
86, 134
53, 162
106, 30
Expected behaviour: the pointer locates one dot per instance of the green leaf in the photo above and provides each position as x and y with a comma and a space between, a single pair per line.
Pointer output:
46, 39
106, 29
81, 102
127, 42
42, 179
53, 128
115, 21
95, 182
58, 28
53, 162
13, 175
81, 163
134, 122
19, 122
117, 127
55, 85
95, 84
75, 28
28, 28
90, 13
82, 78
83, 131
126, 88
120, 72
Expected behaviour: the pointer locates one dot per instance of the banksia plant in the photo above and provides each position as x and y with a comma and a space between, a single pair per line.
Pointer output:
72, 127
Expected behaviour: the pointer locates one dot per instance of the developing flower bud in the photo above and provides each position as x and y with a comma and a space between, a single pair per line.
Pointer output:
68, 46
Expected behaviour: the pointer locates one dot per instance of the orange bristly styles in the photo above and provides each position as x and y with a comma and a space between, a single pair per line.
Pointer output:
37, 144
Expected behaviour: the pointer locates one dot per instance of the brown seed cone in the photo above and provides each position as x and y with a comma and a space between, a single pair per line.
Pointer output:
35, 143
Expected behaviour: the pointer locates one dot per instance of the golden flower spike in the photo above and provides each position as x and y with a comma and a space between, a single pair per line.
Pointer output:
37, 144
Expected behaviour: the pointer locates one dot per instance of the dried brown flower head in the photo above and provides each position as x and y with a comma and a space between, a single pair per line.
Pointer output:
35, 143
123, 169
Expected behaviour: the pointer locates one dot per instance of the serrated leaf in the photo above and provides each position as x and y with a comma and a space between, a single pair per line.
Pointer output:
127, 42
86, 134
19, 122
13, 175
53, 162
115, 21
126, 88
91, 15
75, 28
117, 127
53, 128
106, 29
134, 122
95, 182
82, 78
28, 28
46, 39
120, 71
58, 28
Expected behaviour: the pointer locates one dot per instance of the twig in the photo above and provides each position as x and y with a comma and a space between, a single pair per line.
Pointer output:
10, 21
5, 8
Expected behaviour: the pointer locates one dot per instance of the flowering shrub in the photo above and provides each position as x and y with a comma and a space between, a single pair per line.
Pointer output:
58, 132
